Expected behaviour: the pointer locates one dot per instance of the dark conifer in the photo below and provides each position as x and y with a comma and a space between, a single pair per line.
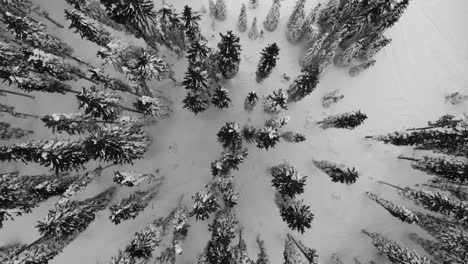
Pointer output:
269, 57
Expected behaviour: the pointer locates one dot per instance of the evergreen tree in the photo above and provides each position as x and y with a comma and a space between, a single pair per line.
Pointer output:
229, 51
272, 20
314, 52
151, 106
287, 180
277, 122
331, 98
87, 27
345, 121
262, 257
204, 203
249, 133
8, 132
172, 28
250, 101
310, 254
345, 58
191, 26
400, 212
267, 137
75, 123
338, 172
211, 6
253, 32
293, 137
303, 85
296, 32
229, 136
328, 13
394, 252
195, 102
295, 213
99, 104
242, 21
93, 10
220, 10
98, 75
230, 160
253, 4
119, 144
354, 71
269, 57
146, 67
35, 35
221, 98
276, 102
198, 54
223, 231
195, 79
132, 178
445, 167
458, 191
239, 252
131, 206
297, 14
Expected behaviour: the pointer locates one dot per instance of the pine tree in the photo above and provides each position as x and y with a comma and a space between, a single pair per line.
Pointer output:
338, 172
295, 213
204, 203
129, 207
458, 191
147, 66
229, 136
287, 180
331, 98
195, 102
242, 21
191, 26
220, 10
292, 254
172, 28
253, 4
132, 178
268, 60
445, 167
239, 252
328, 13
303, 85
253, 32
345, 58
230, 160
296, 31
345, 121
223, 231
8, 132
297, 14
99, 104
93, 10
249, 133
221, 98
267, 137
400, 212
276, 102
195, 79
73, 124
35, 35
229, 51
87, 27
314, 52
272, 20
262, 257
151, 106
250, 101
393, 251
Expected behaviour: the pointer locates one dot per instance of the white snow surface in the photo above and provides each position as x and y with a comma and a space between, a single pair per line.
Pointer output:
427, 59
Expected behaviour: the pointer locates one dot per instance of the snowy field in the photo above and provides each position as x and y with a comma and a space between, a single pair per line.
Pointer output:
427, 59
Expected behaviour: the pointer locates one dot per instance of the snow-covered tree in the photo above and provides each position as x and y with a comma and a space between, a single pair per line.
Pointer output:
398, 211
253, 4
118, 144
268, 60
293, 137
191, 26
446, 167
331, 98
196, 102
276, 102
277, 122
230, 160
211, 6
309, 255
249, 133
223, 231
338, 172
267, 137
297, 14
314, 52
129, 207
35, 35
220, 11
99, 103
98, 75
345, 58
8, 132
456, 98
272, 20
229, 51
221, 98
394, 252
74, 123
354, 71
229, 136
132, 178
147, 66
253, 32
242, 21
328, 13
303, 85
345, 121
151, 106
287, 180
196, 79
172, 28
87, 27
295, 213
93, 10
296, 32
204, 203
250, 101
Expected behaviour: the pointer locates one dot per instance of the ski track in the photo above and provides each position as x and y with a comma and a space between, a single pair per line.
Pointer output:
427, 58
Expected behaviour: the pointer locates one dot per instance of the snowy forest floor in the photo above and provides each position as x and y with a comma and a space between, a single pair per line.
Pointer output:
427, 59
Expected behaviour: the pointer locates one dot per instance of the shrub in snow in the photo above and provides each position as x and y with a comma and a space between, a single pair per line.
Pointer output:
338, 172
132, 178
456, 98
293, 137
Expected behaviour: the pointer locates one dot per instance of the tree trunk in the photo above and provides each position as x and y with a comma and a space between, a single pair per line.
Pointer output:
366, 232
16, 93
391, 185
406, 158
300, 248
78, 60
86, 78
369, 137
421, 128
130, 110
46, 16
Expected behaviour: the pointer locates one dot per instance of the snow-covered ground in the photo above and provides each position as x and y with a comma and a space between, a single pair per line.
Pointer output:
427, 58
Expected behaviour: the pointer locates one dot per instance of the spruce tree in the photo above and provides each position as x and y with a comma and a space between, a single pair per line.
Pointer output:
229, 136
87, 27
147, 66
151, 106
287, 180
99, 104
220, 12
249, 133
72, 124
195, 102
195, 79
295, 213
276, 102
253, 32
345, 58
229, 51
303, 85
262, 257
242, 21
191, 26
272, 20
344, 121
267, 63
223, 229
310, 254
250, 101
445, 167
398, 211
132, 178
296, 32
338, 172
221, 98
297, 14
314, 52
267, 137
204, 203
172, 28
